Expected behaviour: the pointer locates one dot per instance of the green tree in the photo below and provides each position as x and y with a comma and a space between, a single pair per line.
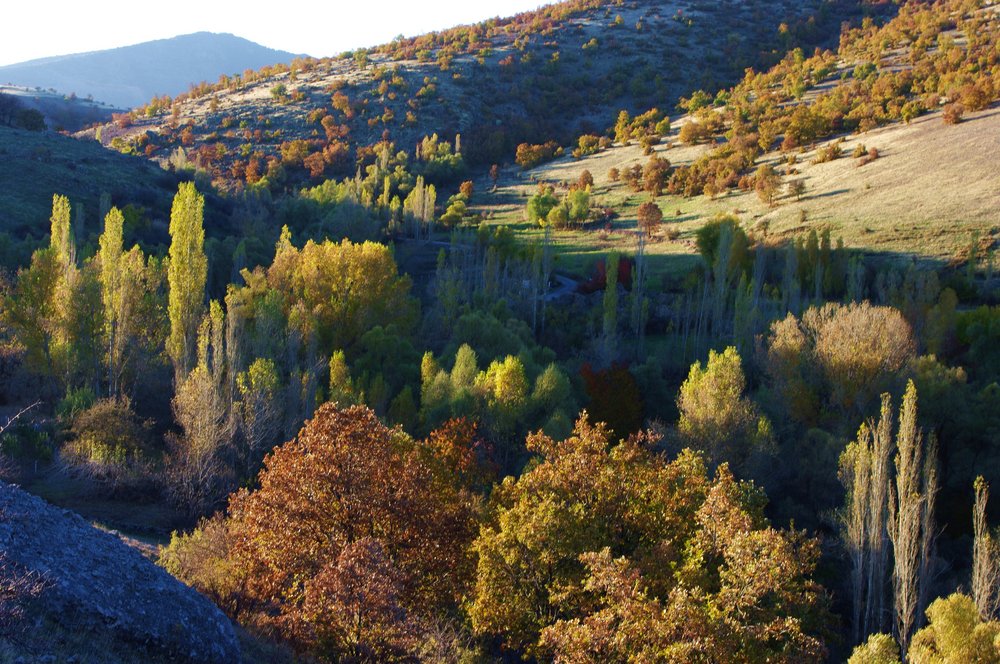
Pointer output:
258, 410
609, 339
187, 272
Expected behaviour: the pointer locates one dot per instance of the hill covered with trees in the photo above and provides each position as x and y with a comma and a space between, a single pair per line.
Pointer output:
430, 405
550, 74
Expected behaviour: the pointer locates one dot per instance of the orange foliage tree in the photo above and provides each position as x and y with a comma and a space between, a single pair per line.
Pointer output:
352, 521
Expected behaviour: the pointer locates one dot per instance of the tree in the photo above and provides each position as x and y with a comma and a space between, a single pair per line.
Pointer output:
900, 507
797, 188
650, 216
953, 113
258, 410
955, 634
878, 649
187, 271
654, 176
307, 537
865, 474
547, 585
354, 609
110, 258
715, 415
859, 349
541, 203
578, 205
767, 183
342, 390
609, 339
985, 557
504, 389
198, 475
341, 290
911, 518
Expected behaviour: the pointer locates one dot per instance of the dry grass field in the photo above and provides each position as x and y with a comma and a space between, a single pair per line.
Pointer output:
931, 190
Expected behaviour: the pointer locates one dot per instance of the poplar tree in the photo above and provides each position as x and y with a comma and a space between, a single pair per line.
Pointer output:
864, 472
911, 518
64, 252
985, 557
610, 338
110, 258
61, 239
187, 272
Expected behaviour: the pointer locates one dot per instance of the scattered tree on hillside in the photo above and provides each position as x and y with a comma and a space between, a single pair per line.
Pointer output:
650, 216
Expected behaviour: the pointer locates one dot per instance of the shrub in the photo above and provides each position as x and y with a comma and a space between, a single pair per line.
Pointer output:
827, 153
953, 113
111, 445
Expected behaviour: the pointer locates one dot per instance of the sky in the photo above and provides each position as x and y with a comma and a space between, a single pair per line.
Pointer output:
41, 29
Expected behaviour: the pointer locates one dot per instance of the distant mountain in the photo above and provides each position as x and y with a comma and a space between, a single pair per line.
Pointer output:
132, 75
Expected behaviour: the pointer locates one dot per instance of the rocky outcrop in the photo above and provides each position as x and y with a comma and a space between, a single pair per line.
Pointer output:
94, 582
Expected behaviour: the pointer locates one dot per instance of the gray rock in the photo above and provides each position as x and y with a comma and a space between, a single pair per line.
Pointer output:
96, 582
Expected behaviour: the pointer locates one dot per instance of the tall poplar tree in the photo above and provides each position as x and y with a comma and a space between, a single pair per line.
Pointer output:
110, 257
610, 337
187, 272
64, 252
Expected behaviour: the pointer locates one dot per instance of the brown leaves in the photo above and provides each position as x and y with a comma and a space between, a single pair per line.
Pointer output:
346, 479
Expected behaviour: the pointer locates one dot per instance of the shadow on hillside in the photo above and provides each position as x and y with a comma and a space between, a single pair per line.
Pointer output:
505, 198
993, 111
826, 194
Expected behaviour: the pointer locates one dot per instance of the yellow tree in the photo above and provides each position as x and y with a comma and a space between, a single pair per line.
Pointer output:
716, 416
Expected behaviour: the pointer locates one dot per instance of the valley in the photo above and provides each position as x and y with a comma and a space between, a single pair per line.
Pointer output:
612, 331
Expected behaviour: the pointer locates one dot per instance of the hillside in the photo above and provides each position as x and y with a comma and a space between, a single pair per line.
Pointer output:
885, 207
131, 75
59, 112
868, 136
564, 337
36, 165
62, 578
554, 73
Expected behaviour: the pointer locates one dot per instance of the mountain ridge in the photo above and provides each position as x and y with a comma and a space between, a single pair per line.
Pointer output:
127, 76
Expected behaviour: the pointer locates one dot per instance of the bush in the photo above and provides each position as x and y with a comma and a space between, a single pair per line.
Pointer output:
827, 153
75, 402
587, 145
953, 113
27, 443
111, 445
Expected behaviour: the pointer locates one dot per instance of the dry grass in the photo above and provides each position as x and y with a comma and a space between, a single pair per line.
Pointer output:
932, 187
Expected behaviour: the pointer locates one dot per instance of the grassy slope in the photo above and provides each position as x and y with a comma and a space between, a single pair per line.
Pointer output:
932, 188
35, 165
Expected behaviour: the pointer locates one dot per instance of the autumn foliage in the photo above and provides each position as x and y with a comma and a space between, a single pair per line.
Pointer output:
352, 531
